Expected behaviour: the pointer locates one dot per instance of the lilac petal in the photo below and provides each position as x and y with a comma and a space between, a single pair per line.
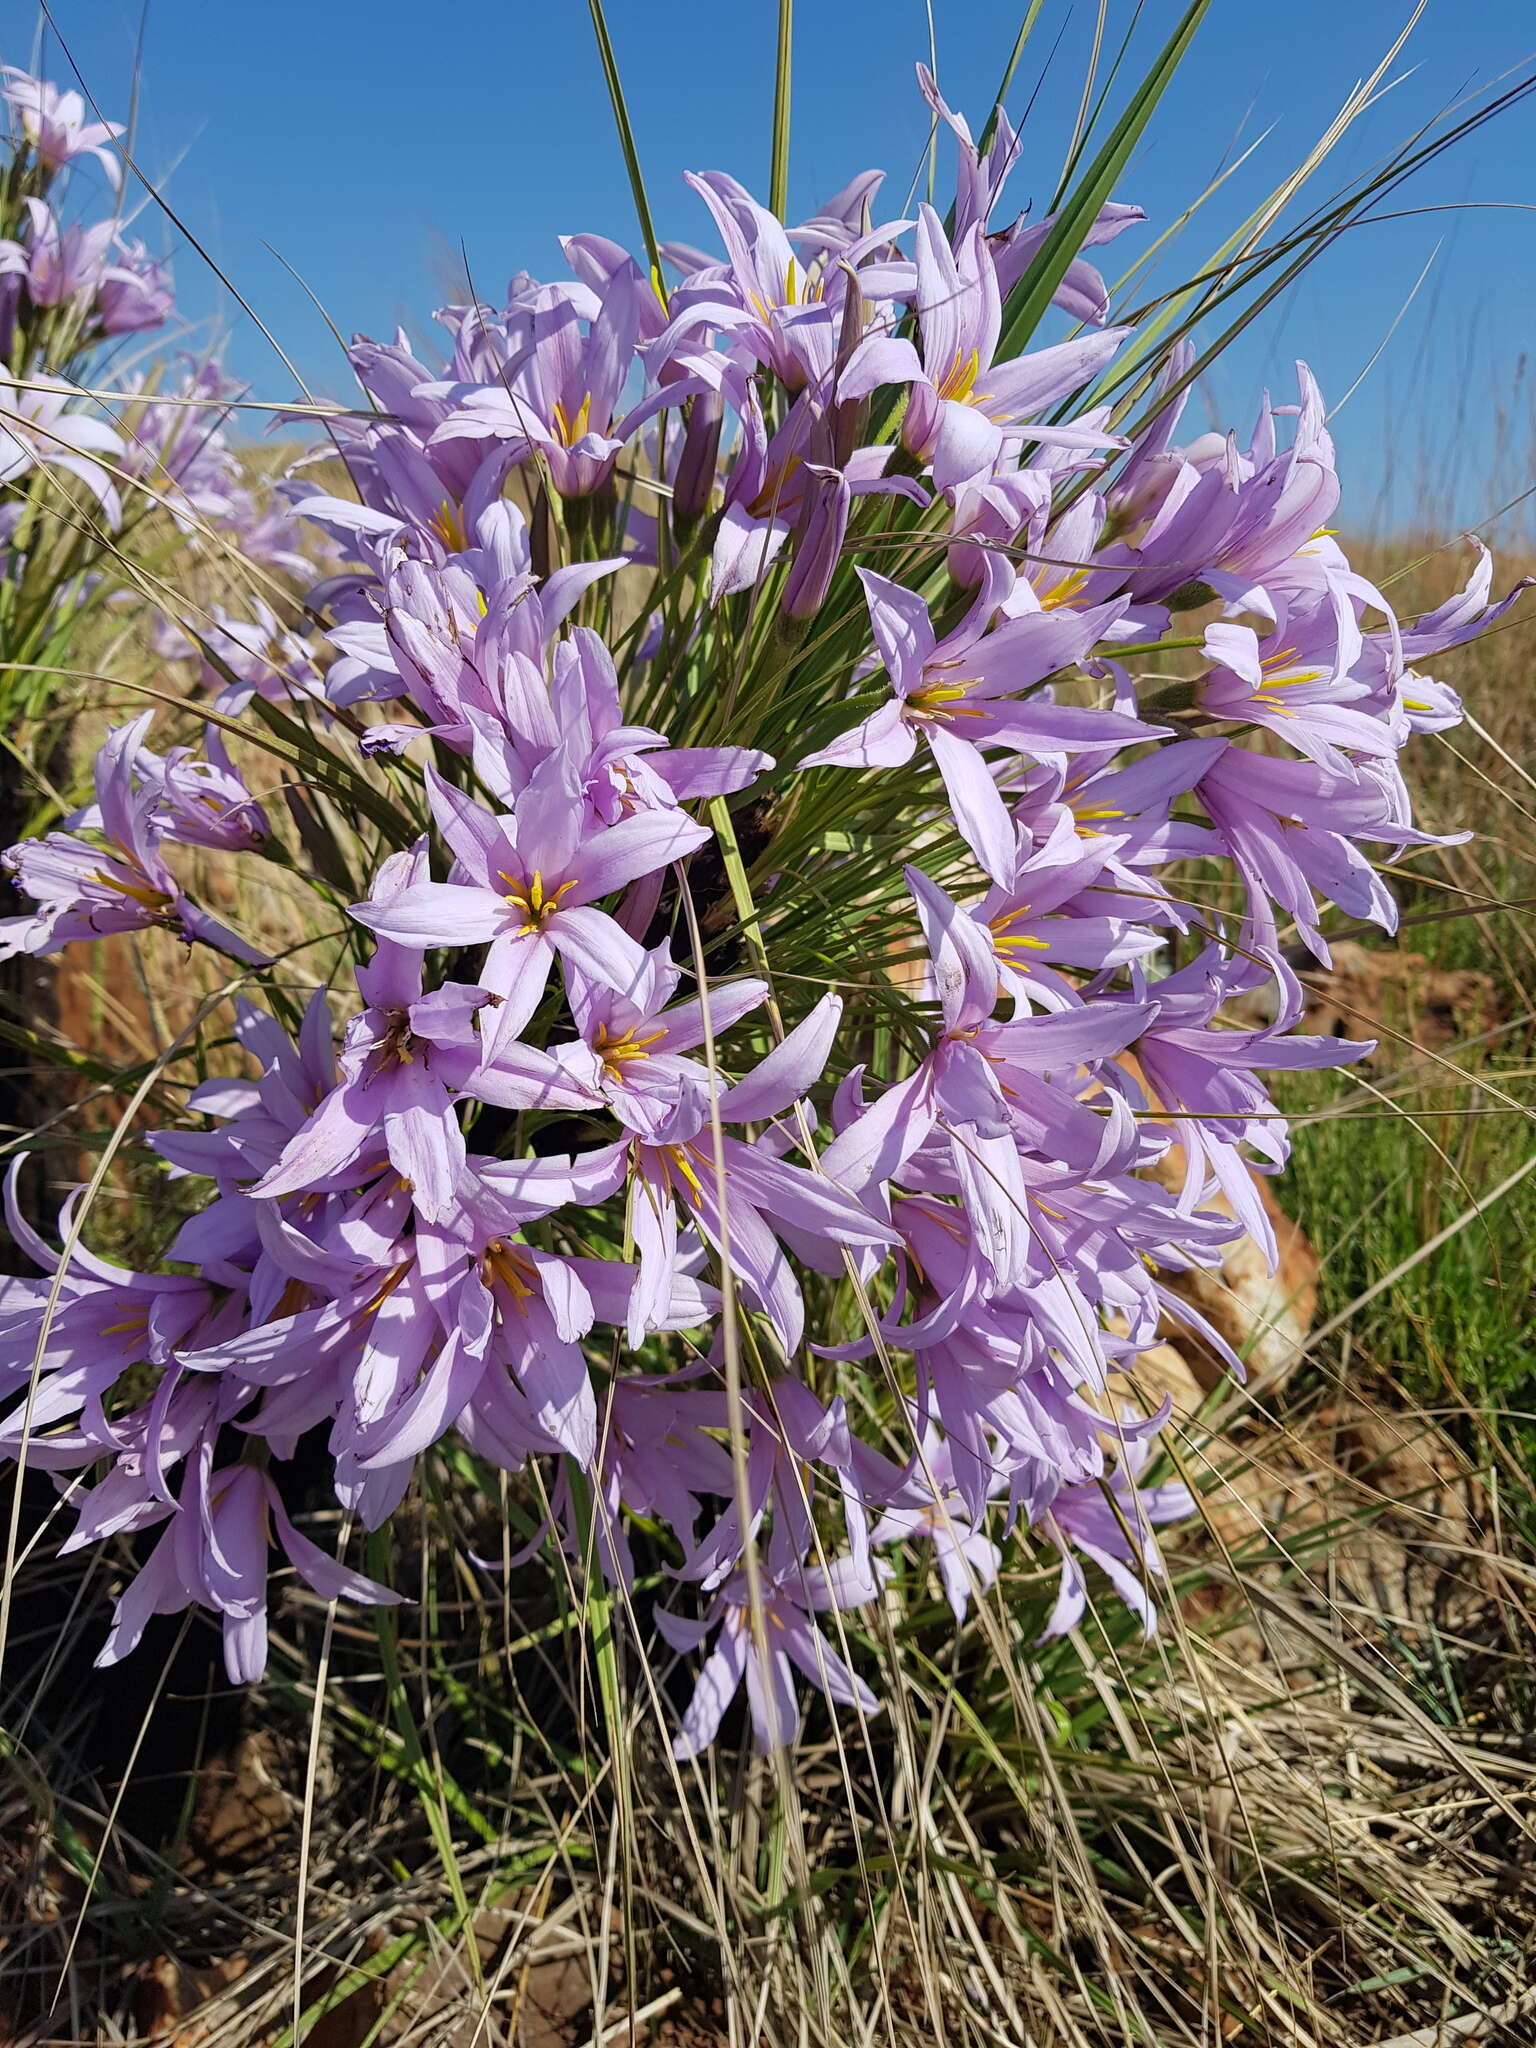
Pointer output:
683, 1025
789, 1071
967, 446
679, 1632
437, 914
431, 1410
902, 628
328, 1577
155, 1589
565, 1296
1071, 1038
598, 946
816, 1659
279, 1351
771, 1696
960, 946
718, 1684
515, 970
878, 360
694, 772
806, 1201
554, 1378
469, 831
883, 740
546, 1184
636, 846
522, 1077
756, 1256
976, 804
883, 1139
424, 1141
332, 1139
1029, 382
653, 1228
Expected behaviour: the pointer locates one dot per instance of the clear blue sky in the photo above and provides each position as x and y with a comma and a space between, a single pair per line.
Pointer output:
369, 145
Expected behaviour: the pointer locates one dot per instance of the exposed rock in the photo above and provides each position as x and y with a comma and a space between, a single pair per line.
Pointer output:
1264, 1316
1401, 1000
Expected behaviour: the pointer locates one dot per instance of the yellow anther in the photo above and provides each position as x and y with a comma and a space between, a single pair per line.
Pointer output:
447, 522
572, 426
506, 1267
676, 1155
941, 701
960, 382
537, 905
615, 1053
1059, 593
141, 892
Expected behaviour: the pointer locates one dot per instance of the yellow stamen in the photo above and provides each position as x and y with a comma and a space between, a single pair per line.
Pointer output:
152, 899
1007, 941
390, 1284
509, 1268
571, 427
940, 702
770, 499
1069, 586
960, 383
530, 898
615, 1053
676, 1155
447, 522
1274, 677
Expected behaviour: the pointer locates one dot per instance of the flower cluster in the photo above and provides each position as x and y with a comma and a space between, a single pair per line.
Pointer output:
779, 626
88, 275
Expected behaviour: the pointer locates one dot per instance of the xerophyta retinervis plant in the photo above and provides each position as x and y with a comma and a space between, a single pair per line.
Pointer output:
818, 758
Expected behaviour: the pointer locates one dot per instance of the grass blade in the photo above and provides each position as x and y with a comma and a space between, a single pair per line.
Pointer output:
1036, 289
778, 176
627, 144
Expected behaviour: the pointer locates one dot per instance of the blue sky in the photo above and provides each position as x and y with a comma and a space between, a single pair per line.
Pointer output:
374, 148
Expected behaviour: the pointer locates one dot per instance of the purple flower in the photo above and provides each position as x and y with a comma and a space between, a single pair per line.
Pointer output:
992, 1089
203, 803
630, 1056
59, 264
403, 1057
134, 295
88, 892
560, 393
1110, 1522
766, 1648
1290, 828
962, 406
214, 1555
39, 431
931, 1509
55, 126
529, 881
957, 694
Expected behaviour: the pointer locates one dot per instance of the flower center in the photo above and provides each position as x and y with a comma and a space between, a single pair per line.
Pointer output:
938, 703
1007, 941
154, 900
616, 1053
447, 522
960, 382
572, 426
536, 904
511, 1270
